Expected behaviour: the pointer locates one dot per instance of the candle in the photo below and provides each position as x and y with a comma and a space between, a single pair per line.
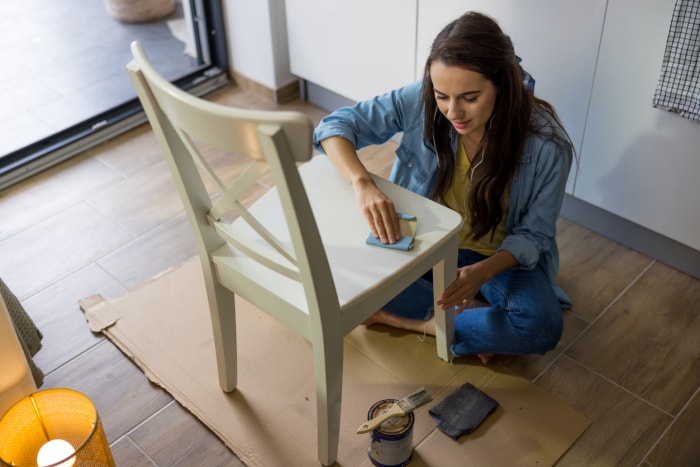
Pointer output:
54, 451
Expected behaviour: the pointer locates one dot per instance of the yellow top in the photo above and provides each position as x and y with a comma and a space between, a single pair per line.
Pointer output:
456, 199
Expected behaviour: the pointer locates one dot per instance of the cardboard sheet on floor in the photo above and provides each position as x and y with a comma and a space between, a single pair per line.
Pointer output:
270, 419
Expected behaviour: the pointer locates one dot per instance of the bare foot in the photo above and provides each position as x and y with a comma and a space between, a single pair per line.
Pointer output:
381, 317
416, 325
374, 319
485, 357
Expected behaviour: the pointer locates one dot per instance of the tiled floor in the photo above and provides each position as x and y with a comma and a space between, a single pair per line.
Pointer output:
63, 62
108, 220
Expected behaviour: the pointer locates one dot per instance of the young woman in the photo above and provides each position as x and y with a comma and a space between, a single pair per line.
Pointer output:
477, 140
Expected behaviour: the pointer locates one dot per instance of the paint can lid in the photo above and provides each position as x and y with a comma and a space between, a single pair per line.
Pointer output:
393, 426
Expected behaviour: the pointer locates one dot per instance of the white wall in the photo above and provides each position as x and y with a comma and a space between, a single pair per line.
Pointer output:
257, 41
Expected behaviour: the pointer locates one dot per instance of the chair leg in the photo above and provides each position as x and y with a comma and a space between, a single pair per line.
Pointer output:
222, 308
443, 273
328, 369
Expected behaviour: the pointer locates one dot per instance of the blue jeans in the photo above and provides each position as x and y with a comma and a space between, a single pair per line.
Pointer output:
525, 315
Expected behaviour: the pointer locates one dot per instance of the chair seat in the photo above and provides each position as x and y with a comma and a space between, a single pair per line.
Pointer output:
359, 270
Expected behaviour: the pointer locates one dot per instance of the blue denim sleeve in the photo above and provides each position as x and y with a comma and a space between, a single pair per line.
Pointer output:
535, 202
373, 121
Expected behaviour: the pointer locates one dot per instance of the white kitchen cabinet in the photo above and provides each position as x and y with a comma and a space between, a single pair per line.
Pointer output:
639, 162
354, 48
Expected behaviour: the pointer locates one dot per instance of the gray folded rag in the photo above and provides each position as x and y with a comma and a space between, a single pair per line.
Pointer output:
462, 411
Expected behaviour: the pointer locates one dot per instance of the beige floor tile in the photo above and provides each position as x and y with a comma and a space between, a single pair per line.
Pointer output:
141, 202
125, 452
189, 441
130, 153
47, 193
242, 99
379, 159
122, 395
594, 270
679, 445
160, 249
56, 312
623, 426
647, 341
57, 247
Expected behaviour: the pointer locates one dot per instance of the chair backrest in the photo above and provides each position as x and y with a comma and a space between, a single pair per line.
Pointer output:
277, 140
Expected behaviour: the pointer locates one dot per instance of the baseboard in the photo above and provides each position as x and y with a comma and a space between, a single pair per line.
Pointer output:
322, 97
632, 235
285, 94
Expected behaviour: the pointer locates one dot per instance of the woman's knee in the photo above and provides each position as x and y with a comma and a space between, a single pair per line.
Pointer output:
544, 329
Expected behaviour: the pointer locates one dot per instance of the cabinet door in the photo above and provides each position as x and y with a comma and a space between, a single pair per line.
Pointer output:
355, 48
639, 162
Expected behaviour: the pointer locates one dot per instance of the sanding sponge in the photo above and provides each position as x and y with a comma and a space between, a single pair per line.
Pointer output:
462, 412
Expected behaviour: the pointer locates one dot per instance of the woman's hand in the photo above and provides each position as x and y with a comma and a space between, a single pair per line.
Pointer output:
462, 290
378, 210
470, 279
376, 207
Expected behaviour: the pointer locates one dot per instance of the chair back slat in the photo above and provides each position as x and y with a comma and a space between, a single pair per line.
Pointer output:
263, 232
281, 263
229, 196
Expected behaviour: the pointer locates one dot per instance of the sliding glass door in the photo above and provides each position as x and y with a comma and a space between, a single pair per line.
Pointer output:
62, 79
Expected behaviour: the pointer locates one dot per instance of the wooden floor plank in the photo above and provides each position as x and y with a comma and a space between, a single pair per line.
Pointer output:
593, 269
57, 314
121, 393
164, 247
56, 247
647, 342
623, 428
188, 441
679, 445
125, 452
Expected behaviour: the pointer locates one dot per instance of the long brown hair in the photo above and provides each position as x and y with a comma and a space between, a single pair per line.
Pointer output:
475, 42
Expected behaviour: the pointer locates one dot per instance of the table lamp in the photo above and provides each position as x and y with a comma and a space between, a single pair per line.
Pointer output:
52, 428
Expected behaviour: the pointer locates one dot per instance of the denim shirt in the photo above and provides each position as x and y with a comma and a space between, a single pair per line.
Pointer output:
535, 194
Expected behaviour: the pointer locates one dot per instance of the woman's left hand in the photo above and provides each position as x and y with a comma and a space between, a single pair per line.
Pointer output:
470, 278
461, 292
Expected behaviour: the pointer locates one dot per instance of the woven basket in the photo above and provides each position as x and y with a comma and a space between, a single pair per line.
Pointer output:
140, 11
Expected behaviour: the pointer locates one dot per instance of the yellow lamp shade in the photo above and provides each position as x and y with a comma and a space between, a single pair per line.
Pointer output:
61, 423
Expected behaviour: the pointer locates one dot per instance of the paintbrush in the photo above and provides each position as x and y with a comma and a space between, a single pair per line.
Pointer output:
401, 407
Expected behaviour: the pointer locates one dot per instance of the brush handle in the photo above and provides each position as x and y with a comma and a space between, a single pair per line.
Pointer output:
378, 420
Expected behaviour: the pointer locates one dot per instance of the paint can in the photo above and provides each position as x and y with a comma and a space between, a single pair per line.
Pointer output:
390, 444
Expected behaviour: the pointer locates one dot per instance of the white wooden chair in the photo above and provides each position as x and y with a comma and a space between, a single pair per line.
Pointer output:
298, 253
